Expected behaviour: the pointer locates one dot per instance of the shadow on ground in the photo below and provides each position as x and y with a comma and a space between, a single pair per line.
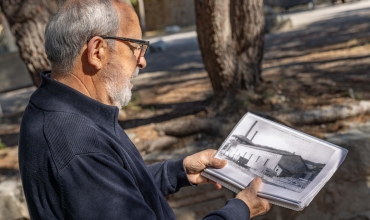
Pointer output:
323, 61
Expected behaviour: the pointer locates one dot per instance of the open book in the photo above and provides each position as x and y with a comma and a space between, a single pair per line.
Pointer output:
293, 166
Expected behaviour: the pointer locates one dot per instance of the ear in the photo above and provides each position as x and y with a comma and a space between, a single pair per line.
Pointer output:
97, 51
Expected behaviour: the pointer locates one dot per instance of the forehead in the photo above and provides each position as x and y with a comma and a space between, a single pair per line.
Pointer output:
129, 22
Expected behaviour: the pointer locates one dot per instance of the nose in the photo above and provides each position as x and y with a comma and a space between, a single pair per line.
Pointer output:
141, 62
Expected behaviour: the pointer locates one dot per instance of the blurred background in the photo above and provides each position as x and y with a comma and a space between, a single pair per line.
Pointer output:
302, 63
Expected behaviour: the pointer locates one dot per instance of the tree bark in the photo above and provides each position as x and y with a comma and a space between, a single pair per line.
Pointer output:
27, 20
231, 39
142, 15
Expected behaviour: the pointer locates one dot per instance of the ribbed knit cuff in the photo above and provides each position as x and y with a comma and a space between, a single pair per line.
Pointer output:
177, 174
235, 209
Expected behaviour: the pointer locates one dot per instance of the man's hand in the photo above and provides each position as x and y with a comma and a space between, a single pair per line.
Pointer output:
196, 163
257, 206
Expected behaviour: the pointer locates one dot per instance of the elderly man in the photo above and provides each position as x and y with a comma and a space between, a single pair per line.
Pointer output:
76, 162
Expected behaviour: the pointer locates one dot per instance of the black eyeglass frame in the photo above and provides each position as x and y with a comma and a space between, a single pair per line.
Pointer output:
141, 42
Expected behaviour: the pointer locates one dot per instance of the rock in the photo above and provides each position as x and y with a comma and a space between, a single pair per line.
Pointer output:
357, 164
12, 201
7, 80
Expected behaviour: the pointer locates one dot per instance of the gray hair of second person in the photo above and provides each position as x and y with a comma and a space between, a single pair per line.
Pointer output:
73, 26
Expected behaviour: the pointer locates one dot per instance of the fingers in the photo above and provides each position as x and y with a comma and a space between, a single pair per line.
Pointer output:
212, 152
204, 159
266, 204
257, 205
256, 184
196, 163
215, 162
218, 186
211, 161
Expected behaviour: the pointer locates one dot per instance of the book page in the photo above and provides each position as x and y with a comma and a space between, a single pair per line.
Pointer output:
290, 163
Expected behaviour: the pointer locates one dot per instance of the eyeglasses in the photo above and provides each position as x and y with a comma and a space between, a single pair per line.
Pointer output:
142, 45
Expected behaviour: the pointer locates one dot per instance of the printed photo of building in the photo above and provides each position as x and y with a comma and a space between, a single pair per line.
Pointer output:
278, 167
271, 162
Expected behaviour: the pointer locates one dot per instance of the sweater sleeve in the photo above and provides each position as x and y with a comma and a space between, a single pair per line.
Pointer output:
234, 209
170, 176
94, 177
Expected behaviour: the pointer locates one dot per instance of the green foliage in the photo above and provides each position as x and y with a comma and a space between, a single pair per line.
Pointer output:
134, 2
2, 145
358, 96
352, 94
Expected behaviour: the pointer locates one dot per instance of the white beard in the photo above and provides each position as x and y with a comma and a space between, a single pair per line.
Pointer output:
119, 94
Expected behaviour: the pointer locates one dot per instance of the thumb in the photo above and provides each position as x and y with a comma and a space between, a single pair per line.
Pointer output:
215, 162
256, 184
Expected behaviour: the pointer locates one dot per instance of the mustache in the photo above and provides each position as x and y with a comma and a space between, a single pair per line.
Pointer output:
136, 73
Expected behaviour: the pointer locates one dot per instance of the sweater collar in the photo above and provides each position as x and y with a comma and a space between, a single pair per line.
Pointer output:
55, 96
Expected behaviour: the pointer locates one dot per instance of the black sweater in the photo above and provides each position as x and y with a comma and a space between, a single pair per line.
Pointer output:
76, 162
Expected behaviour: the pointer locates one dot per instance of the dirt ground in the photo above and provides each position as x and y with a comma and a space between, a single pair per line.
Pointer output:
322, 64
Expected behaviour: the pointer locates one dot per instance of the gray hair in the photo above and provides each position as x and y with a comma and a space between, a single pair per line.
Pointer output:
75, 23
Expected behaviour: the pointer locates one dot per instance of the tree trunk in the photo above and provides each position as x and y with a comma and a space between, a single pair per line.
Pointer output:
142, 15
231, 39
27, 20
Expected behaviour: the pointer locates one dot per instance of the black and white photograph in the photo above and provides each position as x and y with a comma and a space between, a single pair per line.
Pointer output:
262, 151
293, 165
277, 167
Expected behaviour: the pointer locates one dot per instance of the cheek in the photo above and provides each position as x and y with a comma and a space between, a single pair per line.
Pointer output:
124, 73
126, 63
128, 57
128, 69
